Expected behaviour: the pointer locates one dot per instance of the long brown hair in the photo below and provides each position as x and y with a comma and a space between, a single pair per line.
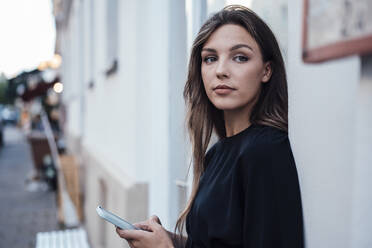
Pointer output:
271, 108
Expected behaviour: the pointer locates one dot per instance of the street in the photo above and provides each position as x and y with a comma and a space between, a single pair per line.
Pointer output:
23, 212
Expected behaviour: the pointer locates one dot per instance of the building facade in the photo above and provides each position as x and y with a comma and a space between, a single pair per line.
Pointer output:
124, 68
330, 132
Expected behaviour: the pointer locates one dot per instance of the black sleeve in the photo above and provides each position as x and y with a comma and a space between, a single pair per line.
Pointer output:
272, 211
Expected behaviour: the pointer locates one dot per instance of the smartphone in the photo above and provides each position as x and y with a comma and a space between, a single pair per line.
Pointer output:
114, 219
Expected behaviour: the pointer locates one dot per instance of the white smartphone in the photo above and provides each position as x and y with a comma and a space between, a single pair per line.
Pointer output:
114, 219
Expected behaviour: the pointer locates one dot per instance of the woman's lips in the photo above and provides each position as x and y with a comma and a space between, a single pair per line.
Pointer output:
223, 89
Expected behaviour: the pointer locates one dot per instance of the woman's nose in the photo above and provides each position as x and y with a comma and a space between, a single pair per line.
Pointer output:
222, 70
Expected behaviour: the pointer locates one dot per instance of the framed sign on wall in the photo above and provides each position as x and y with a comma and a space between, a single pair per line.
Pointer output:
336, 28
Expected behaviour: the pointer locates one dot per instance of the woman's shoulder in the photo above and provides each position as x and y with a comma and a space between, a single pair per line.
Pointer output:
264, 140
268, 150
257, 139
267, 135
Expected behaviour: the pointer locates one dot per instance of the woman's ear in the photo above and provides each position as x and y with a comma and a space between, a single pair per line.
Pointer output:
267, 72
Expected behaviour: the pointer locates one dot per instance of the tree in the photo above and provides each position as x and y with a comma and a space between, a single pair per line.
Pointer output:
3, 88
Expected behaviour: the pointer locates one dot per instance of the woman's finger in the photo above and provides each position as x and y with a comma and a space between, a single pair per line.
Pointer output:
154, 224
143, 226
129, 234
130, 244
155, 218
135, 243
140, 223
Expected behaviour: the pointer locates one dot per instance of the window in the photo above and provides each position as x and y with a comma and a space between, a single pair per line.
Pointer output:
112, 36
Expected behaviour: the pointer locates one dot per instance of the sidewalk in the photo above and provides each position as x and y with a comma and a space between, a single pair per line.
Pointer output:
22, 213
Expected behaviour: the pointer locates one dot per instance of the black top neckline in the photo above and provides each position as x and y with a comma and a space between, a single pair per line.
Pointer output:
237, 135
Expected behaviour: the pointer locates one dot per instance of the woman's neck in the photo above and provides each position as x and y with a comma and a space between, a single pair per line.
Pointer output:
236, 121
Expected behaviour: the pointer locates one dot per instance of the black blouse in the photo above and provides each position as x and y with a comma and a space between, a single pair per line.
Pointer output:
249, 194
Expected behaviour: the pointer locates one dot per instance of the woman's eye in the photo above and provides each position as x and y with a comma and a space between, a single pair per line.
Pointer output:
241, 58
209, 59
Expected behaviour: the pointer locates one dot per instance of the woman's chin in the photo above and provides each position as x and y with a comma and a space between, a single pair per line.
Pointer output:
226, 107
230, 106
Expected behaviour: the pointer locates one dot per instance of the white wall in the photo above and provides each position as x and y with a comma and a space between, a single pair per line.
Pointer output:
322, 104
362, 200
177, 78
111, 103
71, 76
161, 74
132, 120
277, 19
153, 104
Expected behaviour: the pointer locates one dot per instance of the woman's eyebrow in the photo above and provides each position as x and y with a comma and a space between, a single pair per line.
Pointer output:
239, 46
209, 50
206, 49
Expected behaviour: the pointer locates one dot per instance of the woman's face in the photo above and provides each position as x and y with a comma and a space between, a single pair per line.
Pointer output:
232, 68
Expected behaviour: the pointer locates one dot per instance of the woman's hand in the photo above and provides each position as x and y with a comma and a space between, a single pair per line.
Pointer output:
153, 235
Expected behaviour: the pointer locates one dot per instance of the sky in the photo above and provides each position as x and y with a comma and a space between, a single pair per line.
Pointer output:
27, 34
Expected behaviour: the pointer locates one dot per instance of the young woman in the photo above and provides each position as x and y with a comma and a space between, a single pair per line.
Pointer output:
245, 190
